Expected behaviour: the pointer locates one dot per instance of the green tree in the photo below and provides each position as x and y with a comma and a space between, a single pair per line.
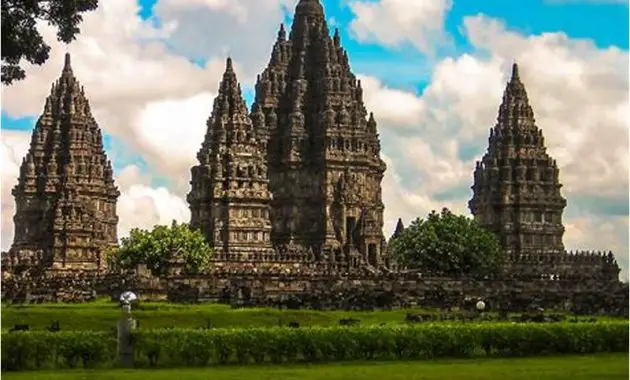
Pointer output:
158, 247
22, 40
448, 244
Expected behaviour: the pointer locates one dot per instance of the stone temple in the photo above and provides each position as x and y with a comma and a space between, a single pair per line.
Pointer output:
516, 186
288, 194
230, 199
65, 197
292, 187
308, 140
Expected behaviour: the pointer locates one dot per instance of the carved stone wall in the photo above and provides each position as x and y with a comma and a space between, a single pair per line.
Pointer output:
65, 197
309, 110
283, 284
230, 199
516, 184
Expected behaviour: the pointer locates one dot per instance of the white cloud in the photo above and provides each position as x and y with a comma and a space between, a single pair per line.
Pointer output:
397, 107
142, 206
170, 133
597, 233
12, 150
393, 22
244, 29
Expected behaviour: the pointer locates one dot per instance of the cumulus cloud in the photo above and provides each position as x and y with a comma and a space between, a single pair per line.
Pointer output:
244, 29
142, 206
600, 233
397, 107
394, 22
12, 150
170, 133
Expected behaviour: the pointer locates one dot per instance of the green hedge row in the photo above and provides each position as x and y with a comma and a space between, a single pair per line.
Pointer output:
187, 347
67, 349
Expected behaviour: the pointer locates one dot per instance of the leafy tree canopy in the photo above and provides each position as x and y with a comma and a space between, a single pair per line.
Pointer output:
448, 244
158, 247
22, 40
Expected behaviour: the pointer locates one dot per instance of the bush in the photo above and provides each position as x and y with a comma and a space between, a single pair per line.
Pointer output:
449, 245
64, 349
277, 345
202, 347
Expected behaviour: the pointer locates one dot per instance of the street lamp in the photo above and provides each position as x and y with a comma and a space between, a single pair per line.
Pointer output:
481, 306
125, 326
126, 298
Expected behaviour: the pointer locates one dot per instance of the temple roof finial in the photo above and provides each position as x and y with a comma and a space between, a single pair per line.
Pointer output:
400, 227
228, 65
282, 33
515, 75
309, 7
67, 67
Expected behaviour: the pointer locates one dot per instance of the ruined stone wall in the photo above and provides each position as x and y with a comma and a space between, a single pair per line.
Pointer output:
298, 288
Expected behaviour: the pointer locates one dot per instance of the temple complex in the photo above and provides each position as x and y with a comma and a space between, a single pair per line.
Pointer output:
516, 190
321, 149
65, 198
229, 198
288, 194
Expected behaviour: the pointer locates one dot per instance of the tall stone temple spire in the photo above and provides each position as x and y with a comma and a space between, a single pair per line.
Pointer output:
65, 197
516, 186
323, 148
229, 199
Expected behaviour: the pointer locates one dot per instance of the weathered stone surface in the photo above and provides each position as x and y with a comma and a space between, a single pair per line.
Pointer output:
323, 150
517, 195
516, 185
65, 197
229, 198
274, 286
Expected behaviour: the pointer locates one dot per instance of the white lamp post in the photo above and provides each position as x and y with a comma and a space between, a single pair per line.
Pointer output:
481, 306
125, 326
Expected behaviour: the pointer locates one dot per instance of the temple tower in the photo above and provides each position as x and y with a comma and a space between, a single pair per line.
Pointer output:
400, 228
516, 190
65, 197
323, 148
229, 199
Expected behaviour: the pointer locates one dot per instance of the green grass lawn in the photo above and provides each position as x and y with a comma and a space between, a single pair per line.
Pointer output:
102, 315
592, 367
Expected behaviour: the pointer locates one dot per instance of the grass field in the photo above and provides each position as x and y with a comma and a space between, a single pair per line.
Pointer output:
102, 315
592, 367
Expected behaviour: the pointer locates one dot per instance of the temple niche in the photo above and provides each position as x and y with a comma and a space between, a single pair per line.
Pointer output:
516, 184
65, 197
